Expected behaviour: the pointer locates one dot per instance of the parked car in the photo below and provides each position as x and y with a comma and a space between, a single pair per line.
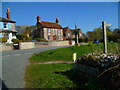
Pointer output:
96, 41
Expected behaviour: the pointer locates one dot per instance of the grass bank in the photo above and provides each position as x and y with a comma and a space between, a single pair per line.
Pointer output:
61, 75
48, 76
57, 76
65, 54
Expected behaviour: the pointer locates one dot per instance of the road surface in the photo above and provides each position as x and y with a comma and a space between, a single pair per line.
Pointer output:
14, 65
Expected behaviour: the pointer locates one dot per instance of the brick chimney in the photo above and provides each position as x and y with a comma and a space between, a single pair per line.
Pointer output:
57, 20
38, 19
8, 13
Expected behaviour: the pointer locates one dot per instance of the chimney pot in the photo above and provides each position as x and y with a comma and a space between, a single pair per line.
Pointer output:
38, 19
8, 13
57, 20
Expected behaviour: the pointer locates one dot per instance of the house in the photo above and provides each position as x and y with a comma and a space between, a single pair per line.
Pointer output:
51, 31
7, 28
71, 33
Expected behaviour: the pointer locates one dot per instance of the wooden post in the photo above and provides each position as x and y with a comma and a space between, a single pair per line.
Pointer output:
104, 37
76, 30
77, 38
74, 58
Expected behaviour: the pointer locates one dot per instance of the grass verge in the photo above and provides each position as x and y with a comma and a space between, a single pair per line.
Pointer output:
65, 54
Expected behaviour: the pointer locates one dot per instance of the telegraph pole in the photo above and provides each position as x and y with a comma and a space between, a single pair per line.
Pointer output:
104, 37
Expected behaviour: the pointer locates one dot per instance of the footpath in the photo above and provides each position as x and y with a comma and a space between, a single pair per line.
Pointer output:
53, 62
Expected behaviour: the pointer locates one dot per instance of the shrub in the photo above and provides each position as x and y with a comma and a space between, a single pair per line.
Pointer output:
22, 37
90, 42
15, 41
29, 38
40, 39
76, 44
3, 40
80, 39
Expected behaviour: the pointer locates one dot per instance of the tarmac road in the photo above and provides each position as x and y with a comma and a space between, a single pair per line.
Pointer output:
14, 65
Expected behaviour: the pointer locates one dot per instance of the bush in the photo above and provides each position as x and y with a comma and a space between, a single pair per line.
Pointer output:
40, 39
3, 40
29, 38
15, 41
22, 37
81, 39
90, 42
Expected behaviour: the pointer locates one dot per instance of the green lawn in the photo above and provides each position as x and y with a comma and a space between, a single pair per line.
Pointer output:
61, 75
48, 76
65, 54
57, 76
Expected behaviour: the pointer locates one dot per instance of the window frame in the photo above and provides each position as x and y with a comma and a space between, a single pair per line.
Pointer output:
5, 25
49, 30
58, 31
49, 37
59, 37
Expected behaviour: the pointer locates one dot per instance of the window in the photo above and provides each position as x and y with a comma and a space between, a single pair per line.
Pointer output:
58, 30
48, 30
80, 34
0, 35
53, 32
59, 38
6, 35
0, 25
49, 37
68, 34
5, 25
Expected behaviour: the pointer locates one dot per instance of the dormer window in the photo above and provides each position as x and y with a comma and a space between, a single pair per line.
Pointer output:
5, 25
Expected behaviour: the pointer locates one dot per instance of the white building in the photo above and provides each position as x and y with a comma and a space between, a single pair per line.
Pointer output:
7, 27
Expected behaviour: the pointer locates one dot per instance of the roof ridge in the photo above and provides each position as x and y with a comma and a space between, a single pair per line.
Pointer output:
49, 22
6, 20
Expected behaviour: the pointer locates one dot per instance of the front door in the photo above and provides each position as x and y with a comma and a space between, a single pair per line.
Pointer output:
54, 37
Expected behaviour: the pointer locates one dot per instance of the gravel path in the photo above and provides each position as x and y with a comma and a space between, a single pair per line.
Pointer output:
14, 65
53, 62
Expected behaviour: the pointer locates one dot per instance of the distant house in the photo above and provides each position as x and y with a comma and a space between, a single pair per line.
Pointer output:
49, 30
71, 33
7, 27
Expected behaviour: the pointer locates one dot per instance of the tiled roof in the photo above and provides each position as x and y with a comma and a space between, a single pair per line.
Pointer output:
50, 25
8, 31
6, 20
73, 31
65, 29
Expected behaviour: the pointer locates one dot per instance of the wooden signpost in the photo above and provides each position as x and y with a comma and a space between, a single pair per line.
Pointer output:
86, 69
105, 36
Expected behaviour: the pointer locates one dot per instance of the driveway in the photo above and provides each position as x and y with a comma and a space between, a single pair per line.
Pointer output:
14, 65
